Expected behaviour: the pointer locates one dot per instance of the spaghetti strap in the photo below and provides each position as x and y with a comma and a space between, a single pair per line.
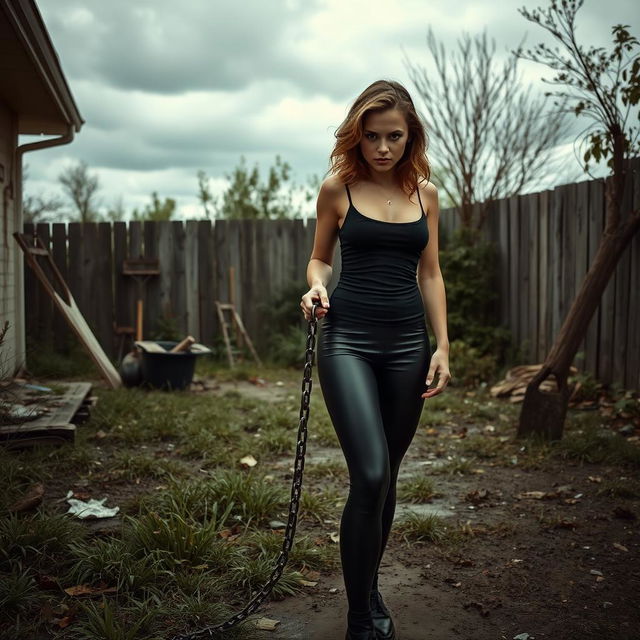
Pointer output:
348, 194
420, 200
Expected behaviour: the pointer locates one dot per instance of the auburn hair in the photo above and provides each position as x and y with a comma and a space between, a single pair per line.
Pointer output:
346, 159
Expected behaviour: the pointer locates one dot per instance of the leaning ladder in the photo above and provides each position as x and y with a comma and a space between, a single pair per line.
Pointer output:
221, 307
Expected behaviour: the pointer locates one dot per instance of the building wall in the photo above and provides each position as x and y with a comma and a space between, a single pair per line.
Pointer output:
11, 297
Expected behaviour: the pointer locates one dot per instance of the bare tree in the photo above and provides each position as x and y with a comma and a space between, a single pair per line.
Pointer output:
605, 88
81, 188
491, 138
38, 208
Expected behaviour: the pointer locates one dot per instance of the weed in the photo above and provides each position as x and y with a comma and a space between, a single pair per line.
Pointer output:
416, 489
417, 527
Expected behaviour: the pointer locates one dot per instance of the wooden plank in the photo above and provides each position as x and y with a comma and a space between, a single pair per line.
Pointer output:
178, 282
31, 285
56, 425
623, 292
595, 209
90, 290
63, 337
555, 264
165, 251
191, 278
265, 286
632, 377
104, 289
514, 269
45, 305
121, 284
208, 284
607, 337
581, 263
544, 315
152, 286
504, 265
534, 247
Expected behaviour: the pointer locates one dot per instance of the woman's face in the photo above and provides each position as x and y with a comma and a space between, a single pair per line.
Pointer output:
384, 139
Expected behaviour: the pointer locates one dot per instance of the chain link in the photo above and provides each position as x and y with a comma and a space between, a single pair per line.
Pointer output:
296, 491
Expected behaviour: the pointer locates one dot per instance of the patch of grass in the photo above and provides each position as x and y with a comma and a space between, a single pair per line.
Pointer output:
320, 505
620, 488
595, 444
129, 466
252, 497
415, 527
19, 593
417, 488
35, 538
178, 540
482, 446
112, 561
334, 469
247, 573
454, 466
107, 621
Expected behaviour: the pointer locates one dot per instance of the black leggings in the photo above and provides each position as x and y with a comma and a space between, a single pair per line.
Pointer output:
372, 378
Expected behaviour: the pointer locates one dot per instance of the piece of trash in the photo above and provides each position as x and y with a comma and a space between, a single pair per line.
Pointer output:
279, 383
595, 572
267, 624
335, 537
31, 499
91, 509
260, 382
333, 590
36, 387
277, 524
620, 547
307, 583
524, 636
248, 461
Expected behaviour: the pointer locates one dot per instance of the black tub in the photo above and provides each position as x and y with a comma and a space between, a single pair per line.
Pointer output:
169, 370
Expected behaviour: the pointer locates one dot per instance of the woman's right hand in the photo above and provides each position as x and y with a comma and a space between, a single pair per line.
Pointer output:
314, 294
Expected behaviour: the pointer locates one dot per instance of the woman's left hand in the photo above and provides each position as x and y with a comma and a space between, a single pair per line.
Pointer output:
440, 366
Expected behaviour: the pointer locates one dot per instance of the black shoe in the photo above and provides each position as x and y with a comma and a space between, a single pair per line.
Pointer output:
382, 622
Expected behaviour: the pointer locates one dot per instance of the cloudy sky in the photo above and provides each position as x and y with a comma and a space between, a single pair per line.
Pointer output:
167, 88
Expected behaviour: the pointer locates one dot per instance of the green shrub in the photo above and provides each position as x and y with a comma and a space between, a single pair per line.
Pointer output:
468, 367
470, 267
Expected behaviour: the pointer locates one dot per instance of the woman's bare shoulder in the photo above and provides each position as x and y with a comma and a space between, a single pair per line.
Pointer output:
331, 192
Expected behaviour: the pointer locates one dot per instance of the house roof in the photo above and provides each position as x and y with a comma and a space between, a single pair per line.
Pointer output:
32, 83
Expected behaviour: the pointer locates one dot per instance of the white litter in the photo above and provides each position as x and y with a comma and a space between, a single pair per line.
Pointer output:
91, 509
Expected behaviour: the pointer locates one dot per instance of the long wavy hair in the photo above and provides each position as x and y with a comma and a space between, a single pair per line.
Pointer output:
346, 159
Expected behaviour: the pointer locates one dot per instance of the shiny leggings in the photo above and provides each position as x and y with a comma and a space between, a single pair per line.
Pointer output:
372, 377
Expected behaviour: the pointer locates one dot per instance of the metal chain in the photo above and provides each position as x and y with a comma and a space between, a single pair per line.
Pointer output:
296, 490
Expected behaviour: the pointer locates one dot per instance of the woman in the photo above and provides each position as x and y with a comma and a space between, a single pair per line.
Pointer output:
374, 358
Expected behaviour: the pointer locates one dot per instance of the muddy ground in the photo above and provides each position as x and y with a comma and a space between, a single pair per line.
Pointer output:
564, 567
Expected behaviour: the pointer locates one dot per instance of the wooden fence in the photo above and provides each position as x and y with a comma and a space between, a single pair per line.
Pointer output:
546, 241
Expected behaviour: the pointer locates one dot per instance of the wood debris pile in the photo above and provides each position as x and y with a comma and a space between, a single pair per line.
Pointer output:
515, 382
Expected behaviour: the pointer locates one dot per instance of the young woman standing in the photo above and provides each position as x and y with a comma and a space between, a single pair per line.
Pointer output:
374, 357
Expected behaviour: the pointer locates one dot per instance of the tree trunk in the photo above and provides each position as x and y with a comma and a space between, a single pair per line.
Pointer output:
544, 412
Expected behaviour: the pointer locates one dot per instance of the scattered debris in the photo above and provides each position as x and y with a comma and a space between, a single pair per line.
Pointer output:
91, 509
31, 499
267, 624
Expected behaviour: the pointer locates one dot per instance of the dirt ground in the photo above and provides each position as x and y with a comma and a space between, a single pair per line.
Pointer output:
566, 568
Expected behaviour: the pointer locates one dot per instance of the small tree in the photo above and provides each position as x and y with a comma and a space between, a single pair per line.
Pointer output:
604, 87
491, 138
81, 188
157, 210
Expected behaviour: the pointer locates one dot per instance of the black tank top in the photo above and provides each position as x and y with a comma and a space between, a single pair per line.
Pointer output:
377, 283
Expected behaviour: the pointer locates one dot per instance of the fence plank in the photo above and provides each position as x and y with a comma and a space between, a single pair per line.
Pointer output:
31, 285
544, 315
63, 336
581, 243
632, 377
208, 279
103, 288
514, 269
621, 312
45, 303
191, 279
607, 337
592, 336
151, 290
